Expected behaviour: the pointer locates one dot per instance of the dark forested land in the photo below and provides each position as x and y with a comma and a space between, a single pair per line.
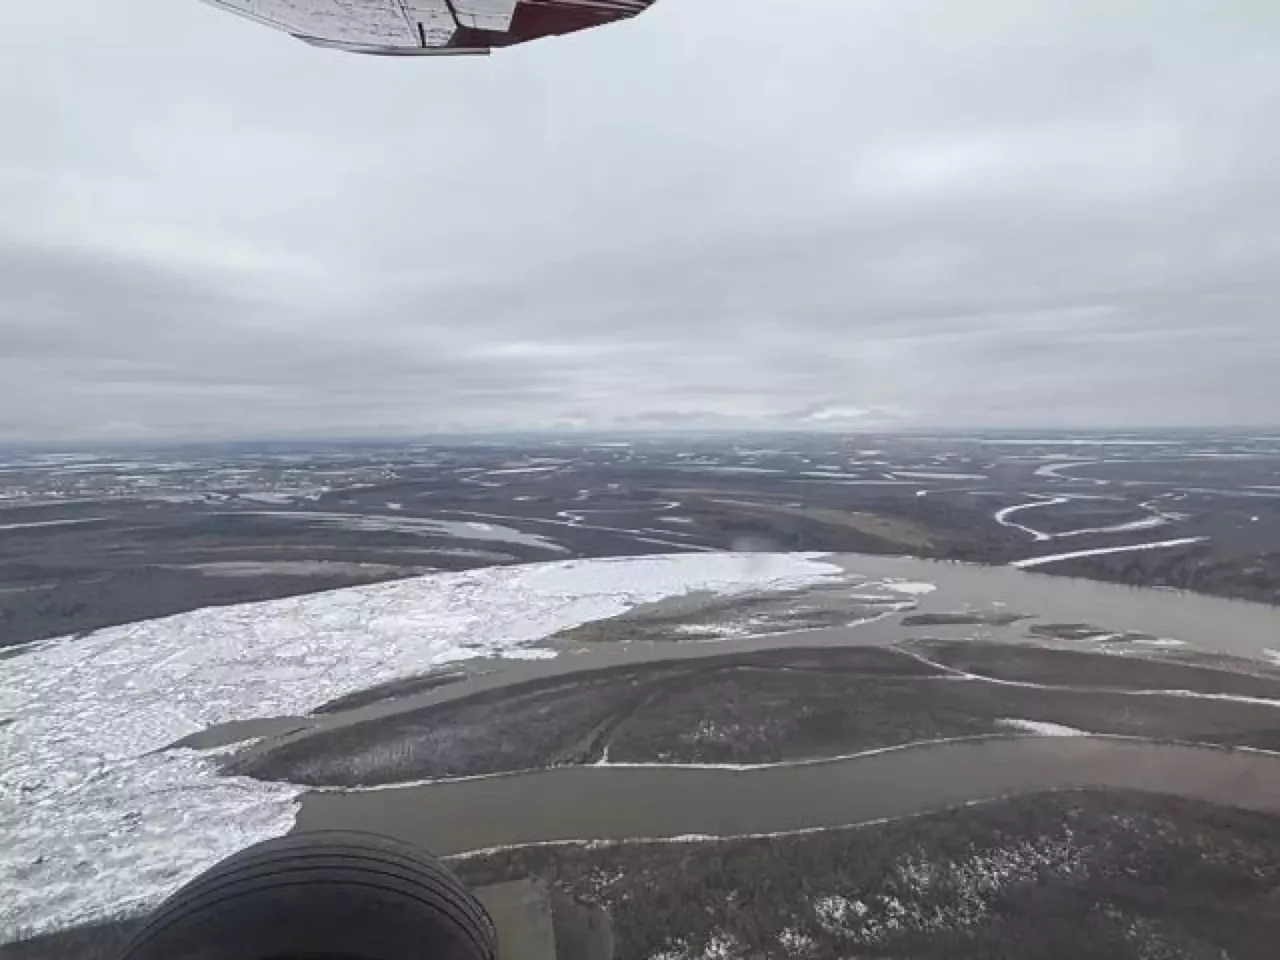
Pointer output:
1050, 877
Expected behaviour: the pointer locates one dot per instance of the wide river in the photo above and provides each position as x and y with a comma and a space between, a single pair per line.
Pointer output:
1201, 623
615, 802
574, 803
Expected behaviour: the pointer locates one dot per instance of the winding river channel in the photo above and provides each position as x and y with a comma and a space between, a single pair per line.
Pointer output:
586, 803
617, 802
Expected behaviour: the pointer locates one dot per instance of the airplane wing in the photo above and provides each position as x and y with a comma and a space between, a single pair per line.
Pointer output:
418, 27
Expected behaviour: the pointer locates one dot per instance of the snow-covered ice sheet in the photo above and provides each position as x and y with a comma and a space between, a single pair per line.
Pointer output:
96, 843
97, 817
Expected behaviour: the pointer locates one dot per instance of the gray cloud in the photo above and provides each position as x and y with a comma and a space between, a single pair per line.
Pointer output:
918, 213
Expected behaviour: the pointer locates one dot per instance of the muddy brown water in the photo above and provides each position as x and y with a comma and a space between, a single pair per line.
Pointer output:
614, 802
1202, 623
1205, 623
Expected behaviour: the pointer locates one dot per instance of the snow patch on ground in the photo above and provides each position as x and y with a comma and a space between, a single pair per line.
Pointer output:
674, 950
1158, 642
722, 946
797, 943
1103, 551
601, 880
98, 817
929, 475
1042, 729
963, 890
710, 731
415, 526
267, 496
942, 895
1002, 516
840, 916
1053, 471
1148, 523
41, 524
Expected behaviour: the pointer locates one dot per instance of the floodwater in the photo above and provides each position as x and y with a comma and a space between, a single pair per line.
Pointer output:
608, 802
1204, 623
617, 802
1201, 623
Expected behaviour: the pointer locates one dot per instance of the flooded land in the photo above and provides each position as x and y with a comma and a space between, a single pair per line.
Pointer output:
889, 756
89, 539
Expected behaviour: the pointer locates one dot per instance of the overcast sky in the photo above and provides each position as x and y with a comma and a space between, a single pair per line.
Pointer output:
742, 212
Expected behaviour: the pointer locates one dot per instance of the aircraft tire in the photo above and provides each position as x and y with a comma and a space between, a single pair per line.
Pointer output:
340, 895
